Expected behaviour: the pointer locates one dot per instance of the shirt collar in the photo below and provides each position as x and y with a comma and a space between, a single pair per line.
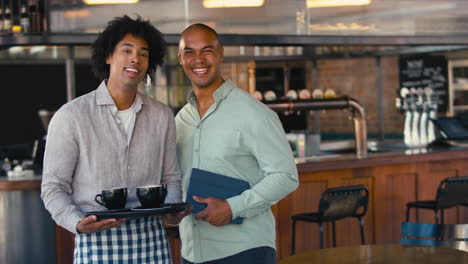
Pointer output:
219, 94
103, 97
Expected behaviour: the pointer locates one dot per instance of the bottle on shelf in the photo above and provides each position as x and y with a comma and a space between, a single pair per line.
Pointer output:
7, 20
6, 166
24, 19
1, 17
34, 16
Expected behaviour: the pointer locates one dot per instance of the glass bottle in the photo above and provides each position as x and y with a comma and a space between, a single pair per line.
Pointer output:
6, 166
1, 19
7, 20
35, 22
24, 19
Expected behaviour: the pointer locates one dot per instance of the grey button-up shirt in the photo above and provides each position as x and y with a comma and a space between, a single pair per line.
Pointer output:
87, 150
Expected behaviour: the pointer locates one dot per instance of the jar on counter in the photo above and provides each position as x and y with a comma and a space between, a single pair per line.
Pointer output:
5, 167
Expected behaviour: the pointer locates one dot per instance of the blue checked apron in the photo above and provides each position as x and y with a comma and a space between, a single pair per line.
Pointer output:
140, 240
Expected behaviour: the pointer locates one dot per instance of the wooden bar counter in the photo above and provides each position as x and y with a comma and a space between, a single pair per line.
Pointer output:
393, 178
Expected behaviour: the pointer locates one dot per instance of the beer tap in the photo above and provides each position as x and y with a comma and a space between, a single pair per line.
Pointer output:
404, 93
414, 106
424, 118
432, 109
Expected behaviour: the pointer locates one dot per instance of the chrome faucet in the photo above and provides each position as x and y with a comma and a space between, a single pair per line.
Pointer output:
356, 109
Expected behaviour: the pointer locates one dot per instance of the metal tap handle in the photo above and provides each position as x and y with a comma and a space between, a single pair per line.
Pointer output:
407, 136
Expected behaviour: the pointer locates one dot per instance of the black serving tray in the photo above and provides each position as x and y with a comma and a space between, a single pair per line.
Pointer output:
131, 213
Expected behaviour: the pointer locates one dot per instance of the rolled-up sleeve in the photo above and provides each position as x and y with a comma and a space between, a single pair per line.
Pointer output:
269, 146
61, 154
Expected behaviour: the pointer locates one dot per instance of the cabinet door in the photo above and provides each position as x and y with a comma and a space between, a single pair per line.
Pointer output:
458, 92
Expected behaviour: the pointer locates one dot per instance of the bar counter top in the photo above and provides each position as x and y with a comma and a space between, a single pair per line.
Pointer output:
311, 164
395, 156
20, 183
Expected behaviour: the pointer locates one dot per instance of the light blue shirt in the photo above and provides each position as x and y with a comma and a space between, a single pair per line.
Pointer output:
242, 138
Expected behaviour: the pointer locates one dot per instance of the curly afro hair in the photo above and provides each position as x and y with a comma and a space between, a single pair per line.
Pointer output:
115, 31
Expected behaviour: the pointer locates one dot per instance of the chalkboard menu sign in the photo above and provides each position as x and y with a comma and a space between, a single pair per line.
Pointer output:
426, 71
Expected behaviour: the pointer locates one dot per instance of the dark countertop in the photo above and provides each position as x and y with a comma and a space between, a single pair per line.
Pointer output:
384, 157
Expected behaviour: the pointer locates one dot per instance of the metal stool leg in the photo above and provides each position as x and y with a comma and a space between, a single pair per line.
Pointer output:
407, 213
442, 216
334, 233
293, 243
321, 234
436, 215
361, 225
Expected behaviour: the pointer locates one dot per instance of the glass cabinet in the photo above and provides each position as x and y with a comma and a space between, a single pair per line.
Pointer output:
458, 87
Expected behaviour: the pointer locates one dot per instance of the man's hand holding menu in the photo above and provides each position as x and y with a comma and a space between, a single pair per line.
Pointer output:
217, 213
208, 191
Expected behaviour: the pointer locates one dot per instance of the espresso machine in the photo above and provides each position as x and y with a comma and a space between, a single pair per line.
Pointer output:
39, 145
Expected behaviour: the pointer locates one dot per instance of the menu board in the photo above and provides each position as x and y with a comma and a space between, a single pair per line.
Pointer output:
426, 71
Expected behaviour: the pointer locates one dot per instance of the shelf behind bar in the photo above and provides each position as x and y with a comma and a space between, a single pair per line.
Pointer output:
243, 39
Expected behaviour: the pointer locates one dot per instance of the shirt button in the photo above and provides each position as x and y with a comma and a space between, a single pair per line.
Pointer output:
196, 150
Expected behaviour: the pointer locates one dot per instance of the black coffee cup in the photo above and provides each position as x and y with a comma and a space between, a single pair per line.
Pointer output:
152, 196
112, 198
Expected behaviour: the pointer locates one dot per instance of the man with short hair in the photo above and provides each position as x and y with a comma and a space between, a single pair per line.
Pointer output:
224, 130
113, 137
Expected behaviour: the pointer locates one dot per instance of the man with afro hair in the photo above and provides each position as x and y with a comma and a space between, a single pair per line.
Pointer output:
114, 137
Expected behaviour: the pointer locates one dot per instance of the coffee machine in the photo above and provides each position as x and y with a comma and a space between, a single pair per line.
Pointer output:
39, 144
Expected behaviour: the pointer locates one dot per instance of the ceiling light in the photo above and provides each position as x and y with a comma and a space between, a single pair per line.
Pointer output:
76, 13
231, 3
106, 2
342, 26
330, 3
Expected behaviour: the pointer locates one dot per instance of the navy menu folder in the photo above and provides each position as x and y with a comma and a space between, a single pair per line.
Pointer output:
208, 184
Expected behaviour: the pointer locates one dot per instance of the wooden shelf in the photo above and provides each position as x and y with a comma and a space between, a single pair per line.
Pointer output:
59, 39
460, 107
450, 42
460, 87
